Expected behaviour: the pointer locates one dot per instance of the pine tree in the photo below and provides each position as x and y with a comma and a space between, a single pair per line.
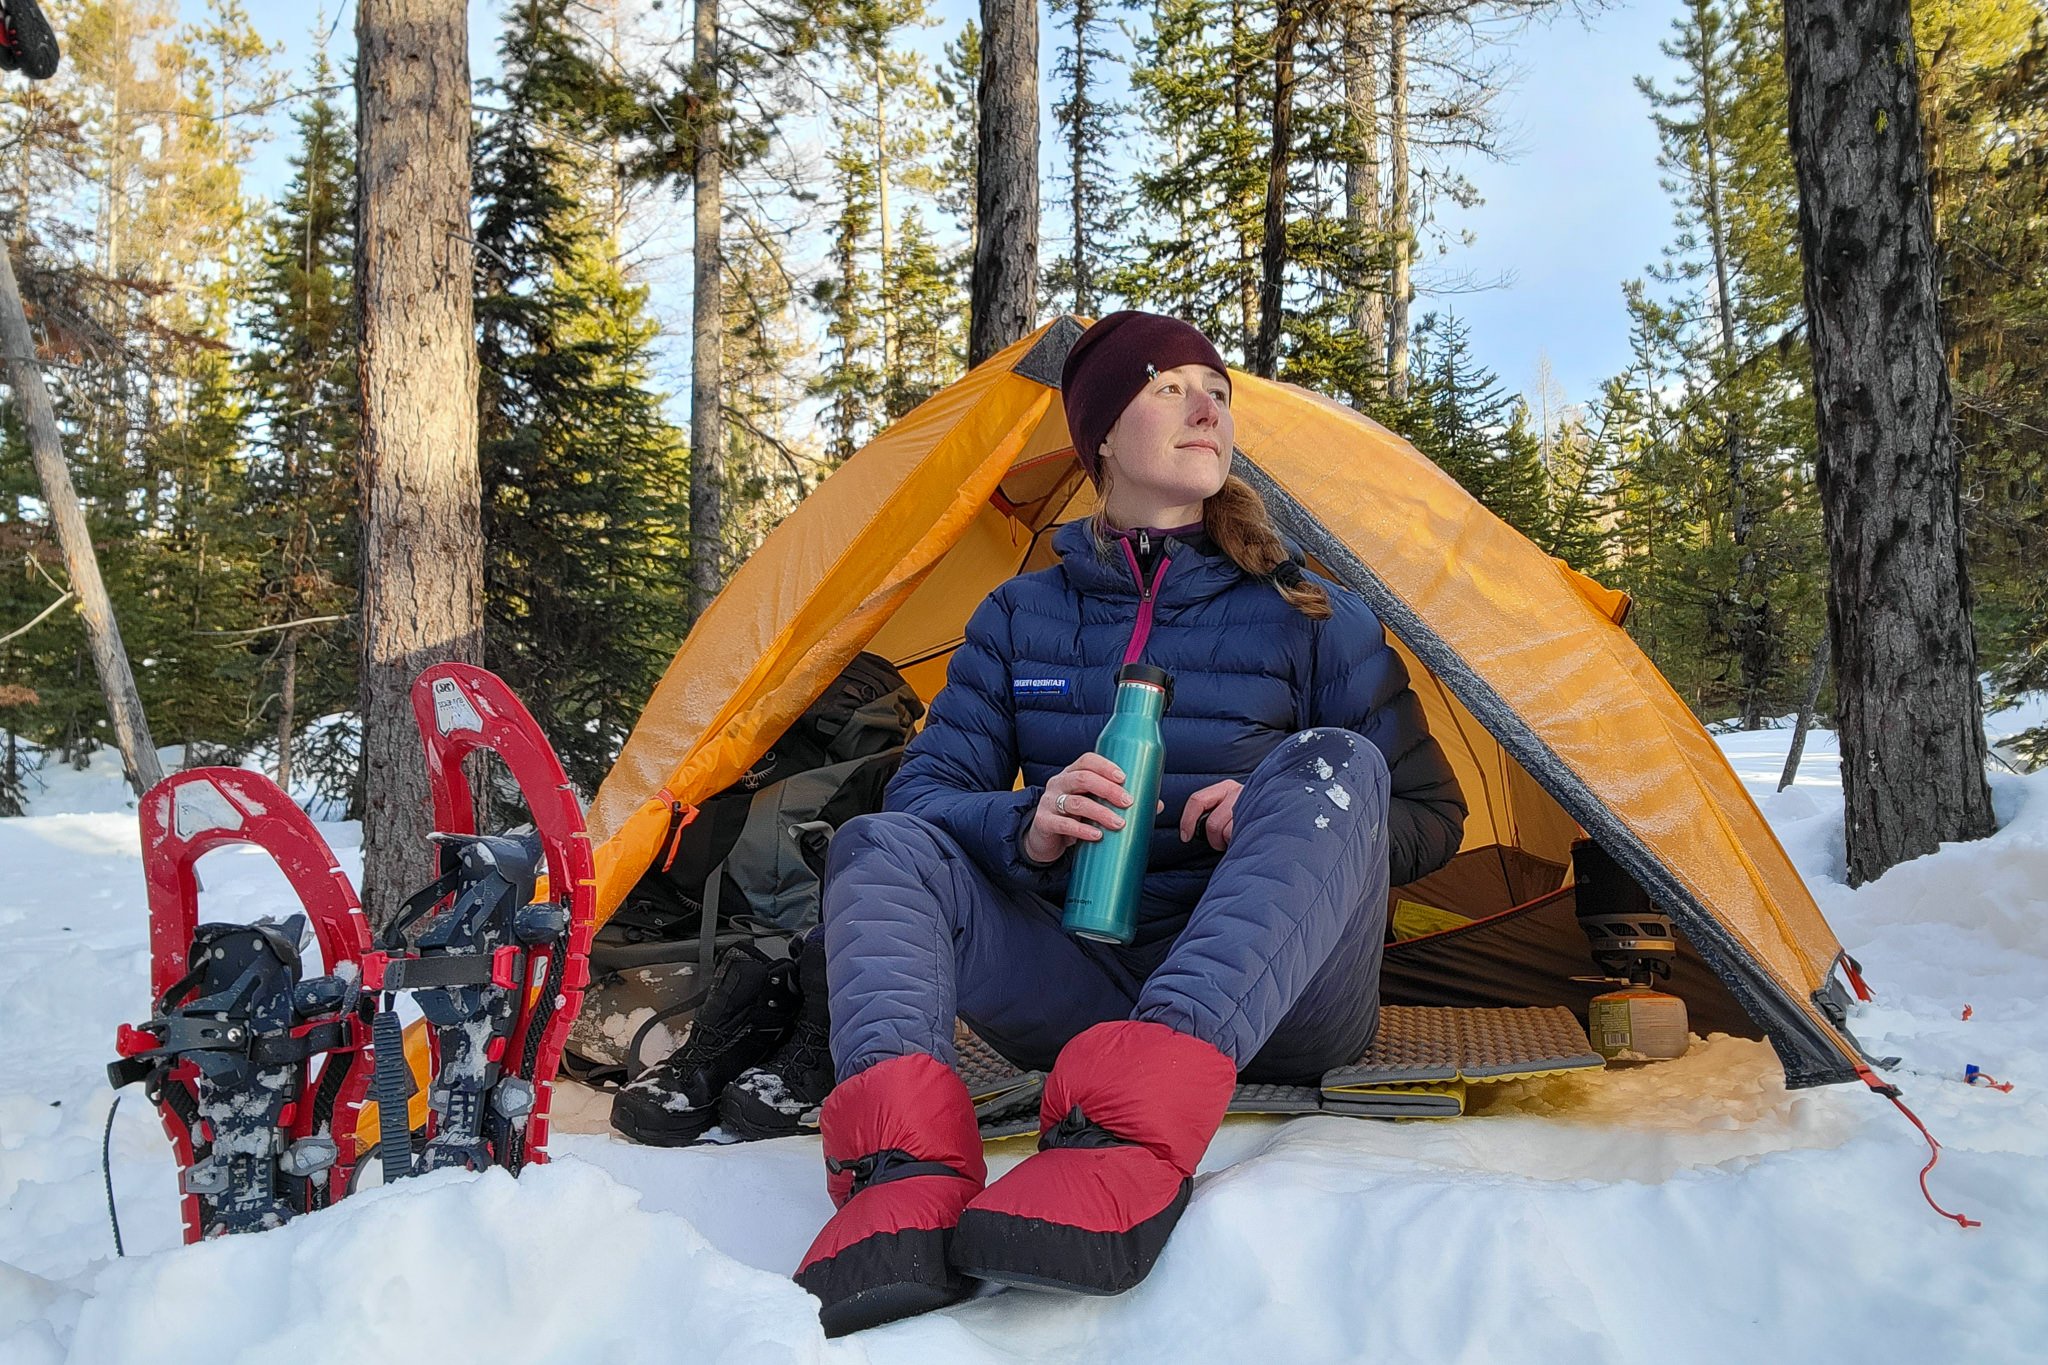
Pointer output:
852, 381
1457, 416
585, 480
1659, 525
1203, 83
958, 92
930, 350
1984, 87
300, 376
1578, 480
1090, 126
769, 466
1746, 415
157, 412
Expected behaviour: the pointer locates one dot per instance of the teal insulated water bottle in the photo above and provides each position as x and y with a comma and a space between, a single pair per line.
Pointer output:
1102, 894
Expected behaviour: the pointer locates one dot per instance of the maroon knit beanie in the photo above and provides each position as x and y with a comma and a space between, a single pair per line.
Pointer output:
1111, 364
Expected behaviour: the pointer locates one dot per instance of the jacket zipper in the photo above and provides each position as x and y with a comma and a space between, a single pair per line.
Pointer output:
1143, 628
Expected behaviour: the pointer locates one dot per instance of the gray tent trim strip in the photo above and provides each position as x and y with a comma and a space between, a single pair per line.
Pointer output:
1811, 1056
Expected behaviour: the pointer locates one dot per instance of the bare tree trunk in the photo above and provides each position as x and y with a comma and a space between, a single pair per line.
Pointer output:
287, 707
1911, 718
1814, 680
422, 547
1401, 229
1077, 147
888, 313
1273, 256
1004, 288
707, 326
74, 538
1247, 269
1362, 168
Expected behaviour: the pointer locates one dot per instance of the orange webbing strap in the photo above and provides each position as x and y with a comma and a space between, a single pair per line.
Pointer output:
1854, 971
684, 815
1891, 1092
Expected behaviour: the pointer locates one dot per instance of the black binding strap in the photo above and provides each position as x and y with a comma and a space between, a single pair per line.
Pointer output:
891, 1163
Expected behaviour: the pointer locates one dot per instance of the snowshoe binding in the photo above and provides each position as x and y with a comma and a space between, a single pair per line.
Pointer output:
226, 1056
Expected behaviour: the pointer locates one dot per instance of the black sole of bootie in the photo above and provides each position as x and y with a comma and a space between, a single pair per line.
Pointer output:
1033, 1253
884, 1304
855, 1292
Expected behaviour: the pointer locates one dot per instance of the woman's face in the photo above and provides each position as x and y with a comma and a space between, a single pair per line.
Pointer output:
1171, 445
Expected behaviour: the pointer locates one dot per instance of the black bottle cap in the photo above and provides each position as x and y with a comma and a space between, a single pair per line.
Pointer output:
1144, 673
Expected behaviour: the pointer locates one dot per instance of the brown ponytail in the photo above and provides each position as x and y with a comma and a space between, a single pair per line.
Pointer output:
1235, 518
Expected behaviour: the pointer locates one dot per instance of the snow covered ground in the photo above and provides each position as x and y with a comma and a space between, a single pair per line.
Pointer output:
1691, 1211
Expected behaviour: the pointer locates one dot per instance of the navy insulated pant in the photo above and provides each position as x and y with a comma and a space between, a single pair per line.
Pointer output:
1278, 966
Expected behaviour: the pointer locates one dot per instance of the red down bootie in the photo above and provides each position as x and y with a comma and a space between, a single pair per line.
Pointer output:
902, 1158
1127, 1113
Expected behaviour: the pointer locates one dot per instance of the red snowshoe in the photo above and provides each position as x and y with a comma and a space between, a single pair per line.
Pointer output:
237, 1022
498, 975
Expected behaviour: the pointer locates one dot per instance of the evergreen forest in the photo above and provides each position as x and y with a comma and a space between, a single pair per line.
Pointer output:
1279, 175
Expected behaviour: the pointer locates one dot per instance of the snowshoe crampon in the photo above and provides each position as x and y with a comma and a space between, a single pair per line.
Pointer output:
227, 1055
498, 974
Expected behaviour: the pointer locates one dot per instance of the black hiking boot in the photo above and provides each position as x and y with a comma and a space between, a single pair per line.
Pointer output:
748, 1010
770, 1100
27, 44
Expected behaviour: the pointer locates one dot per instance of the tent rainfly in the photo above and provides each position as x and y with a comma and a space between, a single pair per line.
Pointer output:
1560, 728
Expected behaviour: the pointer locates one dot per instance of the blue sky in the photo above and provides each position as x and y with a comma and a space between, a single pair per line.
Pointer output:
1577, 212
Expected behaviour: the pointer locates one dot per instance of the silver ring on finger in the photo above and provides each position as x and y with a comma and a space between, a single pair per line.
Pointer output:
1059, 805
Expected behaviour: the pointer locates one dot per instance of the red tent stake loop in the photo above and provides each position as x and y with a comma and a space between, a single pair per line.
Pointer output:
1891, 1092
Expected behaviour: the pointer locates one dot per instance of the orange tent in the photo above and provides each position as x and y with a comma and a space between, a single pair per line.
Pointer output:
1558, 725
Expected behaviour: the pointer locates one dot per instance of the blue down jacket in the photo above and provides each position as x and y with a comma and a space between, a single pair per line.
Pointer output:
1034, 681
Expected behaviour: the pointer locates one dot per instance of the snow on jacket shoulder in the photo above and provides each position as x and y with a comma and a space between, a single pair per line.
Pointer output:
1034, 681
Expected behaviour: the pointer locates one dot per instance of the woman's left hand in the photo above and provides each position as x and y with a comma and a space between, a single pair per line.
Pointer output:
1219, 803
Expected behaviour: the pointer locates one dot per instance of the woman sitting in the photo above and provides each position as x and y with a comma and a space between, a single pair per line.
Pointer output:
1298, 777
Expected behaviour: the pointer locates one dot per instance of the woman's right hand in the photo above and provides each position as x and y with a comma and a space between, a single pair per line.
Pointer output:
1080, 801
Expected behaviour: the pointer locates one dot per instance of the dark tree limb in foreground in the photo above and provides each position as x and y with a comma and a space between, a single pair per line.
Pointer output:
1005, 283
422, 546
1912, 728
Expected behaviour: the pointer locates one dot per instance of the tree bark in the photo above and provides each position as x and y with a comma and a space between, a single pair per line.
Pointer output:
1004, 289
1911, 717
1362, 168
1400, 229
422, 546
287, 706
707, 326
1273, 253
1077, 159
74, 538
